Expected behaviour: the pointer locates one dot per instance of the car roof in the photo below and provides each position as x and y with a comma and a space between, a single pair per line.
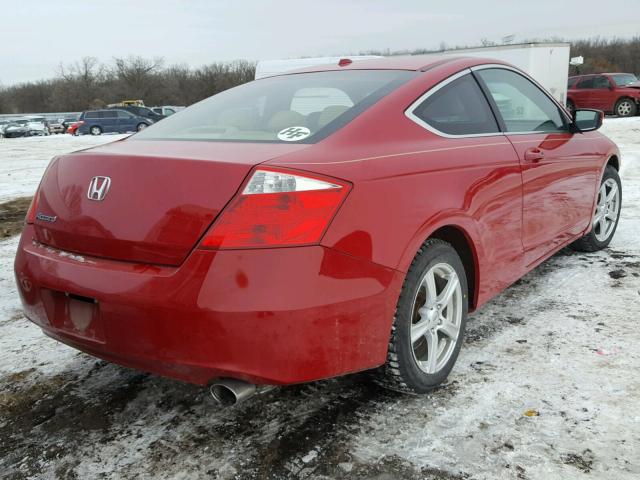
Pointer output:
399, 62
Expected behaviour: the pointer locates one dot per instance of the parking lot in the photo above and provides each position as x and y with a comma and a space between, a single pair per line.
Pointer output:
546, 386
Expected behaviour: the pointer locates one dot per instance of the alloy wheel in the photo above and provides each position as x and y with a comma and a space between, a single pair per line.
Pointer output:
436, 318
624, 108
607, 210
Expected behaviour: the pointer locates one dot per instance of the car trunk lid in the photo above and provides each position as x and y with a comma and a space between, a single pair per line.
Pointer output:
162, 196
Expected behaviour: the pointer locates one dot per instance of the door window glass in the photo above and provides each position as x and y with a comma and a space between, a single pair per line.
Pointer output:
586, 83
600, 82
523, 106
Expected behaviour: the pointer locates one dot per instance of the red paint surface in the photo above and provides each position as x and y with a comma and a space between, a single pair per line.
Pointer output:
283, 315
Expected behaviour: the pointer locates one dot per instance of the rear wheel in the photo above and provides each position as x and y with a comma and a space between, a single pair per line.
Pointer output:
95, 130
626, 107
607, 214
141, 126
428, 328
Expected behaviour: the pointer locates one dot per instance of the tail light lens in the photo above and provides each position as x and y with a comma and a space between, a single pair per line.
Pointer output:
278, 208
31, 213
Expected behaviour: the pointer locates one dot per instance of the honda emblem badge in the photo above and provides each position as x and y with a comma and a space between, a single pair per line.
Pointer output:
98, 188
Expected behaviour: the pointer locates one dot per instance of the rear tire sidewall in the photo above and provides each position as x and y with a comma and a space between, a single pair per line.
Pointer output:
413, 375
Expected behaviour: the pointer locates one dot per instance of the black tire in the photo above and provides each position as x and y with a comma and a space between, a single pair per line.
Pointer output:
626, 107
401, 371
590, 242
95, 130
141, 126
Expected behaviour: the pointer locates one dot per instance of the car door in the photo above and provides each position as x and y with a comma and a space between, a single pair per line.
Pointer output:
582, 91
601, 96
109, 119
126, 122
559, 168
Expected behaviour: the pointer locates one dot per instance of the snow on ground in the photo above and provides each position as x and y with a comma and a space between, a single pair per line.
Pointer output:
546, 387
23, 160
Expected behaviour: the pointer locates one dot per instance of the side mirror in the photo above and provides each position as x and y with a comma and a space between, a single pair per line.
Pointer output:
587, 120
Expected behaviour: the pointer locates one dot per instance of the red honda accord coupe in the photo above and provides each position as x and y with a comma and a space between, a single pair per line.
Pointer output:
313, 224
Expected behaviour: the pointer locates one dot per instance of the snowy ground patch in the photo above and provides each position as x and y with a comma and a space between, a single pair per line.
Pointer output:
546, 386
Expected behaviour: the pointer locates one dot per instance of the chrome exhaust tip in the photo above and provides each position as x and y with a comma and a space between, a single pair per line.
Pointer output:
229, 391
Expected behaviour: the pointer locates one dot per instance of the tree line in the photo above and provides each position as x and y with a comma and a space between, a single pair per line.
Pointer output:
89, 83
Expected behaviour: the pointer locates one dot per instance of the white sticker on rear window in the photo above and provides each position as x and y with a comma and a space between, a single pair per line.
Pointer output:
293, 134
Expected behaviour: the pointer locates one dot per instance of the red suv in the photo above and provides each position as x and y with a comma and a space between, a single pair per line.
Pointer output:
617, 93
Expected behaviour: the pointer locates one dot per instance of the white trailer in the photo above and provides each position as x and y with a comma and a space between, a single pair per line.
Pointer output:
547, 63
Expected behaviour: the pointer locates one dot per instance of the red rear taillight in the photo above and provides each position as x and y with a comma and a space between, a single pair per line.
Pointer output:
31, 213
278, 208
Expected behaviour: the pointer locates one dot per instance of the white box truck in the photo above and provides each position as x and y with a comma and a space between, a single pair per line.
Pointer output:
547, 63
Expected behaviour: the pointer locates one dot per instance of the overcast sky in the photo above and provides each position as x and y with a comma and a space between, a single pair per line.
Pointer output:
35, 37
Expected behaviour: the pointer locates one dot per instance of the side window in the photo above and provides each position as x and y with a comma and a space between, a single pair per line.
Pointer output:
109, 114
123, 114
316, 99
601, 82
586, 82
522, 105
458, 108
91, 115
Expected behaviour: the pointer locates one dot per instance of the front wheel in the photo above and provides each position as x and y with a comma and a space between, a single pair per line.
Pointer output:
141, 126
607, 214
431, 316
626, 107
95, 130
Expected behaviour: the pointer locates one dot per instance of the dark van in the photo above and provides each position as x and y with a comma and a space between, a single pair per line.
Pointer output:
97, 122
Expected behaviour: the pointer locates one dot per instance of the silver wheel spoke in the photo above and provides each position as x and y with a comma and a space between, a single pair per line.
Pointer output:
603, 225
613, 193
418, 330
432, 351
449, 329
430, 285
449, 289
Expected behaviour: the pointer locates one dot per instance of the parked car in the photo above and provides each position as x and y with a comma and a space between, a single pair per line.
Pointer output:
24, 127
97, 122
3, 124
39, 125
617, 93
166, 110
142, 112
306, 226
56, 126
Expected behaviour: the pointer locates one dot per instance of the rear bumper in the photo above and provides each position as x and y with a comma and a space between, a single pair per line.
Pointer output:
272, 316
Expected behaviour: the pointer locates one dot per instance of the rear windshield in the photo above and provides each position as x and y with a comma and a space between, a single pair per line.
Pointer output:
290, 108
624, 79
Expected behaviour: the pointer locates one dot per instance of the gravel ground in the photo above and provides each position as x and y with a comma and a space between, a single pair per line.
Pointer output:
546, 386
